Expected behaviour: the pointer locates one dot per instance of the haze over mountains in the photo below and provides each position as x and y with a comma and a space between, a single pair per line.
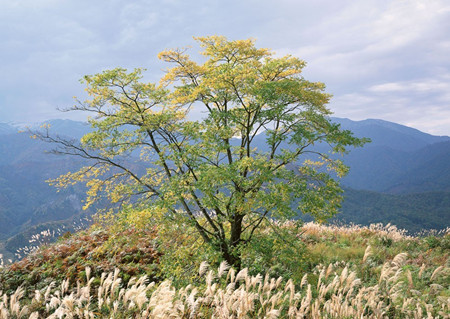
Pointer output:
398, 160
401, 177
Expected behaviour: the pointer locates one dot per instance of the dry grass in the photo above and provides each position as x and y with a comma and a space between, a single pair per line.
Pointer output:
336, 292
377, 230
366, 287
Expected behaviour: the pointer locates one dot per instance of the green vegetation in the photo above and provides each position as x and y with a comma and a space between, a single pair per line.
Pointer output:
205, 196
130, 250
209, 172
29, 206
413, 212
342, 272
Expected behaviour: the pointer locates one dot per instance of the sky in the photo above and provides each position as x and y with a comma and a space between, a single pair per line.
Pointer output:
380, 59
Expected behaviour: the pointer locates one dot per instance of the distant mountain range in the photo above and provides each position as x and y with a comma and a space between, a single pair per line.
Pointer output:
399, 159
402, 177
28, 205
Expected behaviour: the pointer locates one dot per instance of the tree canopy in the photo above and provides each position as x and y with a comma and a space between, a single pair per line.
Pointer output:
209, 170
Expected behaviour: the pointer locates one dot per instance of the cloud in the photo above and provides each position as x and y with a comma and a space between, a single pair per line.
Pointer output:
385, 60
421, 103
439, 86
371, 52
378, 38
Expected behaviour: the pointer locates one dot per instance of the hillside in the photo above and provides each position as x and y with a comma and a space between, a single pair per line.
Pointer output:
430, 171
28, 205
389, 134
343, 272
401, 177
394, 157
414, 212
397, 155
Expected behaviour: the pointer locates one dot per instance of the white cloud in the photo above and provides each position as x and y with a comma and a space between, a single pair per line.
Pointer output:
380, 59
421, 103
438, 86
374, 38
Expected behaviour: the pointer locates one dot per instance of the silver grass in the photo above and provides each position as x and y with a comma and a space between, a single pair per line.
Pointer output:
410, 279
131, 282
435, 288
386, 270
343, 296
69, 302
203, 268
224, 266
399, 260
209, 278
343, 275
272, 314
242, 275
88, 273
422, 268
64, 286
436, 272
304, 280
329, 270
367, 253
278, 282
231, 275
54, 302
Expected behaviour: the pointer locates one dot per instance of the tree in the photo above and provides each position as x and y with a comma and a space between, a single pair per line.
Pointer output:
210, 170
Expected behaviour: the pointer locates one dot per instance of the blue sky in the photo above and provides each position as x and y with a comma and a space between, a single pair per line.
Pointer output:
380, 59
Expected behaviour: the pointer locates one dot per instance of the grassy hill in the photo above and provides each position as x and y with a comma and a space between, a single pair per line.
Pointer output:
342, 272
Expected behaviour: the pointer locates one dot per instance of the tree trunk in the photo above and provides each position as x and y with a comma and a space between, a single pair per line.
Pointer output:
230, 251
231, 256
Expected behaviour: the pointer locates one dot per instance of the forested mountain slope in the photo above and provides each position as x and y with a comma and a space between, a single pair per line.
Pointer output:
399, 159
26, 199
410, 167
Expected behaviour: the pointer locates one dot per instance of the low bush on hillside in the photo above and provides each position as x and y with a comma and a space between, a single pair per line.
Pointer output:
329, 291
130, 250
337, 272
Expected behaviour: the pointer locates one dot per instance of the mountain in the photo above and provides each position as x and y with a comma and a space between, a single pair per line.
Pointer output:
389, 134
427, 169
399, 159
26, 200
19, 146
402, 177
414, 212
68, 128
6, 129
